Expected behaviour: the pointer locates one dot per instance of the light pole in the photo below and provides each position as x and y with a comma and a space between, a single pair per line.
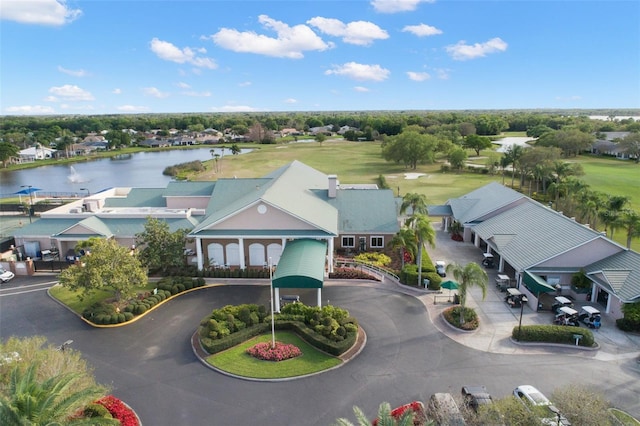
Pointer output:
30, 199
273, 328
86, 189
523, 300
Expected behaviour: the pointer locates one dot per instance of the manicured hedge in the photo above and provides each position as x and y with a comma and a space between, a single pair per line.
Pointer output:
553, 334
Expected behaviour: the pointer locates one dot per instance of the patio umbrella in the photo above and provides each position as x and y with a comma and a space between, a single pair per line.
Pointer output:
451, 285
26, 191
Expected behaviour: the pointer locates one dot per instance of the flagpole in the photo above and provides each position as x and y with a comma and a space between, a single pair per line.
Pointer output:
273, 329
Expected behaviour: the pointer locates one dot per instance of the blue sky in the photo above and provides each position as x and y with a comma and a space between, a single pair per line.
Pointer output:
145, 56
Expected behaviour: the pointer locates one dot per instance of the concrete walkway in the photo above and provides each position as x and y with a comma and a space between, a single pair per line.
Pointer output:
497, 319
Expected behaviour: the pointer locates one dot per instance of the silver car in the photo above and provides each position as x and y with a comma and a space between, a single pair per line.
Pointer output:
6, 275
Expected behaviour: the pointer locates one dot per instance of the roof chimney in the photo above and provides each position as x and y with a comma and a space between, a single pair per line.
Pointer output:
333, 186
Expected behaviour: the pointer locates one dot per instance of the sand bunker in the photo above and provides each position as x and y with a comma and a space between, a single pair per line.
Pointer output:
413, 175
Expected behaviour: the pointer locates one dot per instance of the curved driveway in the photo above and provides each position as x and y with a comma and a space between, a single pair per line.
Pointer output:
151, 366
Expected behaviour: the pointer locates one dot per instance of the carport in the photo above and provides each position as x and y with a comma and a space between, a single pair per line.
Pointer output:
536, 286
301, 265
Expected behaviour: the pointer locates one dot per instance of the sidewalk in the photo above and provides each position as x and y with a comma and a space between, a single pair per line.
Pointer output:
497, 319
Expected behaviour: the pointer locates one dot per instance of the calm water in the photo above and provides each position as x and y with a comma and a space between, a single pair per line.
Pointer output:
142, 169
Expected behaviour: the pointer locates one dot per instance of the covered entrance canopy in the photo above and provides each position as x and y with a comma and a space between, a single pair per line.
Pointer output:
537, 285
301, 265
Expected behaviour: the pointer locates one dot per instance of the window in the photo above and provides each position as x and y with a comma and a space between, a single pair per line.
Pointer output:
377, 242
349, 241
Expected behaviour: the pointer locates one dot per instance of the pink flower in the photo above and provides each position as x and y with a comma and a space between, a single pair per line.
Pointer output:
279, 352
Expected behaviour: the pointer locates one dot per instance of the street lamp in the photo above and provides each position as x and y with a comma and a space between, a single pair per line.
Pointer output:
523, 300
86, 189
273, 328
30, 199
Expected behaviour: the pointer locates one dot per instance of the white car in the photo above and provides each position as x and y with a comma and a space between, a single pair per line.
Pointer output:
6, 275
530, 396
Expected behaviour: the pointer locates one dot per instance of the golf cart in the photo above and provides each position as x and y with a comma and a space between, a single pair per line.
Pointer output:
590, 316
503, 282
513, 297
559, 302
441, 268
566, 316
487, 262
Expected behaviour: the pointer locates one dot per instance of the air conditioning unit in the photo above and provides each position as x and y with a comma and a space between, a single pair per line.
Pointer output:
75, 210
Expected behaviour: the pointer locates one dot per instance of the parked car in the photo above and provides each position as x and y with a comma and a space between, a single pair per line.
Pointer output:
443, 408
6, 275
476, 396
441, 268
532, 397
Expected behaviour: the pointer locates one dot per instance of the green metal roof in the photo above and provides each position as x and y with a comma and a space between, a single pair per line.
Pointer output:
619, 272
536, 285
364, 210
483, 201
139, 197
301, 265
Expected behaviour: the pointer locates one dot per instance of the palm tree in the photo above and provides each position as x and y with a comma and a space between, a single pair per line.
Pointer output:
417, 202
424, 233
405, 240
630, 220
51, 402
468, 276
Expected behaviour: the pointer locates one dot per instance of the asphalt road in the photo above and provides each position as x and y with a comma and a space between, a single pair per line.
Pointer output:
150, 364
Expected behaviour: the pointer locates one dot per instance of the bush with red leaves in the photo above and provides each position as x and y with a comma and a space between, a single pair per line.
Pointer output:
119, 410
351, 274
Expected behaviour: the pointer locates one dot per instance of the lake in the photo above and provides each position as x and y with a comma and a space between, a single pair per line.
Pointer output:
142, 170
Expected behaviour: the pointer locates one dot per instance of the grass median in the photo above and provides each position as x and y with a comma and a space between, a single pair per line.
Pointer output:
236, 361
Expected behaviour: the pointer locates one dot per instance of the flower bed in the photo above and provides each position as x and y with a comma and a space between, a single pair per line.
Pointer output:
279, 352
119, 410
419, 415
452, 315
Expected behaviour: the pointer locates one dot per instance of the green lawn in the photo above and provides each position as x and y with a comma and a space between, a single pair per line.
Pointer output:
70, 298
236, 361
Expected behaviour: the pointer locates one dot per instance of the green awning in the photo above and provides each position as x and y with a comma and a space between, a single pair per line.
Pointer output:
301, 264
536, 285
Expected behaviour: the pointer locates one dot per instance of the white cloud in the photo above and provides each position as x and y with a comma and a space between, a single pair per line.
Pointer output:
462, 51
156, 93
291, 42
71, 93
132, 108
182, 85
360, 71
418, 76
197, 94
422, 30
170, 52
290, 101
443, 74
29, 110
393, 6
245, 84
233, 108
75, 73
361, 33
38, 12
117, 91
361, 89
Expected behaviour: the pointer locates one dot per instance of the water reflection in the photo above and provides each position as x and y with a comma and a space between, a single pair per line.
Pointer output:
142, 169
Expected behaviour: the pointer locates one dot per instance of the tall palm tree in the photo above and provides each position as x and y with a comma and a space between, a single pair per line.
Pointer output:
630, 221
424, 233
468, 276
417, 202
50, 402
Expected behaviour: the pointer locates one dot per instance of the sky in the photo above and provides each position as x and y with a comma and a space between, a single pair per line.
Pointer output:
180, 56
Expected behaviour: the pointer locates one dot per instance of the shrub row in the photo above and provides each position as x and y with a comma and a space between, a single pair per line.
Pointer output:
351, 274
409, 276
192, 271
317, 340
213, 346
553, 334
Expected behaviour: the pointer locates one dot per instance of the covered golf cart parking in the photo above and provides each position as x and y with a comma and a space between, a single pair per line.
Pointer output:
301, 265
534, 287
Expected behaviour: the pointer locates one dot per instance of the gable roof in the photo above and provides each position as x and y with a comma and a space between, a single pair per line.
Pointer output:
365, 211
530, 233
620, 273
482, 201
290, 188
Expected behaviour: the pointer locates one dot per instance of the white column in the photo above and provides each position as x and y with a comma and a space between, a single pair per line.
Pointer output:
199, 253
476, 241
501, 264
277, 298
241, 254
319, 297
330, 250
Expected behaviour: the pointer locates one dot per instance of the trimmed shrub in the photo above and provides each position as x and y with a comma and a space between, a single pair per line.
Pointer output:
553, 334
96, 410
128, 316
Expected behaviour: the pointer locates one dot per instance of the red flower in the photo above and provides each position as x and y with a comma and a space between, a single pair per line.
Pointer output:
119, 410
280, 352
